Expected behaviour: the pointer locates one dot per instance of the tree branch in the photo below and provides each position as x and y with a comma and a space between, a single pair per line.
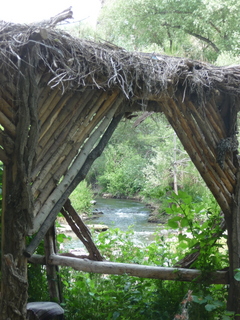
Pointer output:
196, 35
204, 39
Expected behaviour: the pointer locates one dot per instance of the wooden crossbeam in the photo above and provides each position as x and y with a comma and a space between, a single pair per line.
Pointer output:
142, 271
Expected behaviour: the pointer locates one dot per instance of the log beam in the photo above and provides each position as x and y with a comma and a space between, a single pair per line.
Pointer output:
142, 271
81, 230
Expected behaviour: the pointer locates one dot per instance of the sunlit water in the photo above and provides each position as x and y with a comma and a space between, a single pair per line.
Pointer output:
122, 214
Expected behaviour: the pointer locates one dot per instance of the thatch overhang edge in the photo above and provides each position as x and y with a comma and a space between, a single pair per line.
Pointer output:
74, 63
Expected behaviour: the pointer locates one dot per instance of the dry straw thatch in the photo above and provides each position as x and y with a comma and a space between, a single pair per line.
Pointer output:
76, 62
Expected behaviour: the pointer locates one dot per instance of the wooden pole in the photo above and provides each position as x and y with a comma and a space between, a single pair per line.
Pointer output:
52, 271
142, 271
233, 227
76, 165
81, 230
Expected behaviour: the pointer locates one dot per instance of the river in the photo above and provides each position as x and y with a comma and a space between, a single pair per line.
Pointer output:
122, 214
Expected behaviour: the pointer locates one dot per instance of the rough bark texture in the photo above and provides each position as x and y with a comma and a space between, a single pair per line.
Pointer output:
17, 198
52, 271
233, 227
14, 284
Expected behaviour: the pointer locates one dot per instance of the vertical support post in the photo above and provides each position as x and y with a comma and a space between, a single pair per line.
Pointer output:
233, 228
15, 226
52, 271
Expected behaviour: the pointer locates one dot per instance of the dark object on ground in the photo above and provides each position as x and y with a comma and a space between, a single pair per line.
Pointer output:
44, 311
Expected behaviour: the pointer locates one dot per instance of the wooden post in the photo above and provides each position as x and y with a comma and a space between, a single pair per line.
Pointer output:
15, 224
52, 271
81, 230
233, 227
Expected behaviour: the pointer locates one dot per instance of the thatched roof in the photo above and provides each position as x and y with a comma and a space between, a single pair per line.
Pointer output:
74, 63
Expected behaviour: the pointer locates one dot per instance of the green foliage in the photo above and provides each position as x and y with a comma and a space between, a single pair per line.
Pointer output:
227, 58
126, 142
93, 296
140, 159
196, 29
37, 279
212, 304
37, 283
197, 222
123, 175
96, 297
237, 275
81, 30
81, 198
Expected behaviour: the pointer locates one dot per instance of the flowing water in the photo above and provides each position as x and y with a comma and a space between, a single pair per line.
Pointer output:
122, 214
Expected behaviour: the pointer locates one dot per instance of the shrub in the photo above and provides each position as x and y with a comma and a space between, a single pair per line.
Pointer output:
81, 198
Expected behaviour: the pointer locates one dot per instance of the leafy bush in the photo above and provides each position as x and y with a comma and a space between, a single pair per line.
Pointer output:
37, 283
37, 279
197, 222
123, 171
81, 198
97, 297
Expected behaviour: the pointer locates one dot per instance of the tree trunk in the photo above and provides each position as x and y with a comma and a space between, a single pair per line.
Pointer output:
17, 196
15, 221
233, 227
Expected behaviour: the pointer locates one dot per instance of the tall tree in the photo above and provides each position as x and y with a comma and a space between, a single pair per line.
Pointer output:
196, 28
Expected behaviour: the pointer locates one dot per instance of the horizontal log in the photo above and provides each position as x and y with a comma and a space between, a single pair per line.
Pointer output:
142, 271
37, 259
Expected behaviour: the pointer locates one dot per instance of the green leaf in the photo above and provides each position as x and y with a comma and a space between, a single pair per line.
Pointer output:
182, 237
183, 245
185, 197
210, 307
229, 313
237, 276
172, 224
199, 300
184, 222
116, 315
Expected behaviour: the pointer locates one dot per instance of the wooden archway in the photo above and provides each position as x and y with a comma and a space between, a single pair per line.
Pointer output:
61, 99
